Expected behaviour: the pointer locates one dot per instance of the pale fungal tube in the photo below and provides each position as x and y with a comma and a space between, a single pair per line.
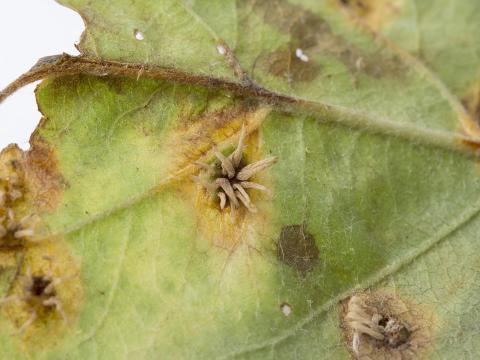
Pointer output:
231, 181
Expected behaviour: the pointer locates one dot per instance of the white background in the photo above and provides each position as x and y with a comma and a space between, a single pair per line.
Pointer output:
29, 30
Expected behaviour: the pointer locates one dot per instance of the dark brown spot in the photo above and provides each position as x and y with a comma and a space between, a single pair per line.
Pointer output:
296, 248
383, 321
39, 285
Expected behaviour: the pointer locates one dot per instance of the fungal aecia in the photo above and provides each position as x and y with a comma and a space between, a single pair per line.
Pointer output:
39, 296
228, 179
14, 229
367, 322
301, 55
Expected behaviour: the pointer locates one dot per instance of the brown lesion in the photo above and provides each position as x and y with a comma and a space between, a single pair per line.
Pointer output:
296, 248
379, 325
195, 136
30, 184
312, 36
45, 298
215, 220
17, 220
46, 287
229, 177
42, 170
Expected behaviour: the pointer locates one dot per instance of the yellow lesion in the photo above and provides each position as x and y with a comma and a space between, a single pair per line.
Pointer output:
51, 260
194, 141
219, 226
18, 223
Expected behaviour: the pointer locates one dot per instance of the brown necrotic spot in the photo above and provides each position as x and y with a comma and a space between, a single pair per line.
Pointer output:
382, 326
17, 222
296, 247
39, 285
313, 38
45, 182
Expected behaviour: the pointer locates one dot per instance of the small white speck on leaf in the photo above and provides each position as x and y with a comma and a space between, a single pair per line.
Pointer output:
138, 35
286, 309
301, 55
221, 49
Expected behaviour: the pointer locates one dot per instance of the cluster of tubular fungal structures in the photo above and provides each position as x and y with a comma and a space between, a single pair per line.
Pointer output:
366, 321
14, 229
36, 294
39, 297
228, 179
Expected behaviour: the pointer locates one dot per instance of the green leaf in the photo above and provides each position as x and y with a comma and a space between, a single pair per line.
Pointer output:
375, 190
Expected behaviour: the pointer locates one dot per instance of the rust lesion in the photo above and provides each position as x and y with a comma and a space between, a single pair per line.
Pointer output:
229, 177
42, 170
380, 325
18, 222
45, 297
37, 295
222, 151
30, 184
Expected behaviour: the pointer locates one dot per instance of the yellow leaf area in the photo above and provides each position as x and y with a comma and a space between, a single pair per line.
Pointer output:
222, 227
35, 322
44, 254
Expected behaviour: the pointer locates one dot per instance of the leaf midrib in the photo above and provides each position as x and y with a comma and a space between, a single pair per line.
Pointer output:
436, 139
